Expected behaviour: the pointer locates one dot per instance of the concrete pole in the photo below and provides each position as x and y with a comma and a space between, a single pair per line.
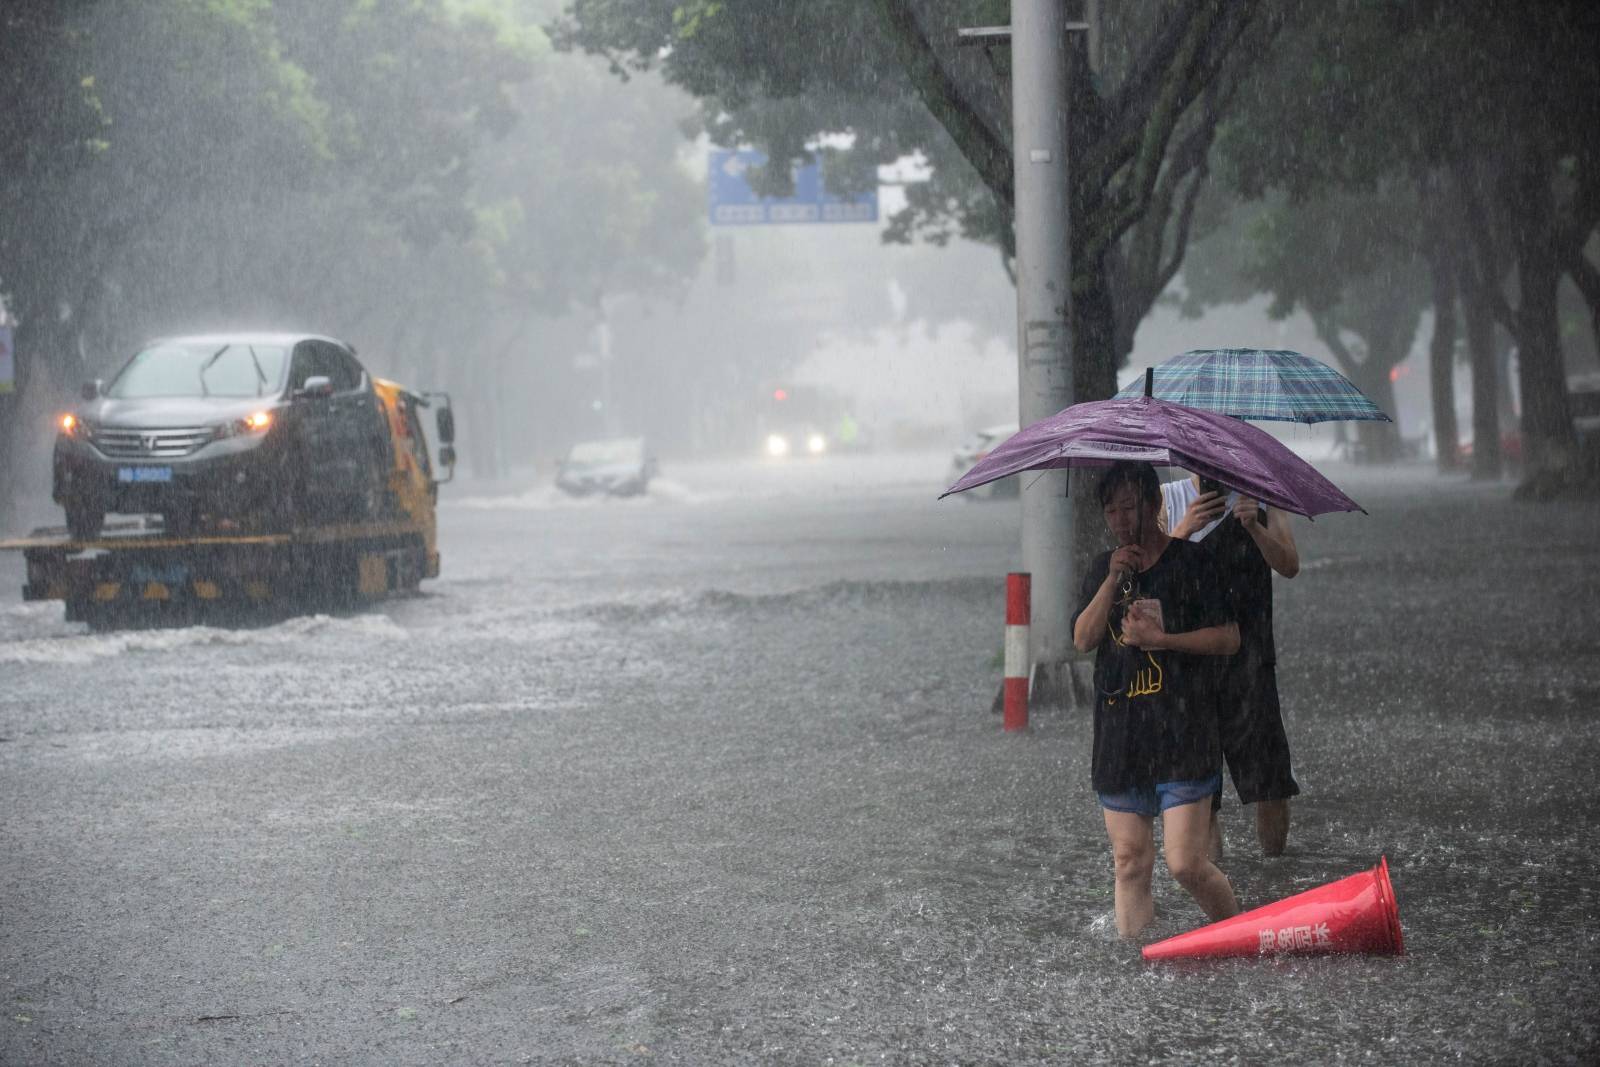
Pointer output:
1044, 274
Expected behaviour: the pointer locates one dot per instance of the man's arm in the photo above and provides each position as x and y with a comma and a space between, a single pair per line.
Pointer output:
1200, 513
1275, 539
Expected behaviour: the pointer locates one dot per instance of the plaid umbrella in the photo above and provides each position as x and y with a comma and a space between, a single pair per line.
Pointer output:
1259, 383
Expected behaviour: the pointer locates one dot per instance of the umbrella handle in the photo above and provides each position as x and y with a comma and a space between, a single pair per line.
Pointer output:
1149, 381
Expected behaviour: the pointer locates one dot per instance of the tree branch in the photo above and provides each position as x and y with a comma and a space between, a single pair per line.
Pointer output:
1125, 208
1136, 95
1328, 333
940, 92
1180, 243
1140, 131
1173, 74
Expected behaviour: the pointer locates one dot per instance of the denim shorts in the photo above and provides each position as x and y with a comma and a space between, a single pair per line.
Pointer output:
1149, 800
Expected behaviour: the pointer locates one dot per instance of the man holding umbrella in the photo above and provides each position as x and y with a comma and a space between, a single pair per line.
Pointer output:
1249, 543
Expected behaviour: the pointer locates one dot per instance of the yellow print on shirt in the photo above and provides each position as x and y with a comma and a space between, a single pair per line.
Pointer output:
1145, 682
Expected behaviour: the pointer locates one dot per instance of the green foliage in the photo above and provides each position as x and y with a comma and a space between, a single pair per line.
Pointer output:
53, 121
412, 89
192, 109
889, 77
777, 76
393, 170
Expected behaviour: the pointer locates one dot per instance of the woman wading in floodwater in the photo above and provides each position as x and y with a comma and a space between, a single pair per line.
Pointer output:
1153, 610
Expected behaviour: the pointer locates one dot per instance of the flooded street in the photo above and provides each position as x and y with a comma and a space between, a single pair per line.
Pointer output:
711, 776
528, 419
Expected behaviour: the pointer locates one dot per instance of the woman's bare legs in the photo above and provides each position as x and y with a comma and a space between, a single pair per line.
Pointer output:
1186, 834
1133, 855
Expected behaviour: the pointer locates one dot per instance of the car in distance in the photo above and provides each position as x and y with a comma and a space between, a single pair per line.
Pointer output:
973, 449
617, 466
272, 428
796, 441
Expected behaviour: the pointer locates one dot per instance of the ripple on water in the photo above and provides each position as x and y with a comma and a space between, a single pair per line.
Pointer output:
78, 646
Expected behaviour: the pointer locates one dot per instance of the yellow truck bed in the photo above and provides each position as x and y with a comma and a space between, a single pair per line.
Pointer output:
133, 574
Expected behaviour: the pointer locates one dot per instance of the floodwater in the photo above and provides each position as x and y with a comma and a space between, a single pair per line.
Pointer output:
712, 777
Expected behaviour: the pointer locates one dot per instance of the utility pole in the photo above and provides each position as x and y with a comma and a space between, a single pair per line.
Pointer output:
1044, 289
1038, 38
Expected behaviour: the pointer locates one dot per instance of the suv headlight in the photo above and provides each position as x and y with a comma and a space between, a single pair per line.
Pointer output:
72, 425
260, 422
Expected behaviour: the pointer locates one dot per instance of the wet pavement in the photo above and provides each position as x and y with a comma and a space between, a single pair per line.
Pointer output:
711, 777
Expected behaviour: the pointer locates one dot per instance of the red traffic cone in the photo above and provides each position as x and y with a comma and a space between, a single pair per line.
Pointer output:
1354, 914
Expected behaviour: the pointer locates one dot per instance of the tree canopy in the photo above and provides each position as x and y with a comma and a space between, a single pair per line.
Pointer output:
383, 167
1455, 139
891, 76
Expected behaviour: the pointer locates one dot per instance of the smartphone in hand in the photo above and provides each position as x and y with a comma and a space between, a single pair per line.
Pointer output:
1149, 608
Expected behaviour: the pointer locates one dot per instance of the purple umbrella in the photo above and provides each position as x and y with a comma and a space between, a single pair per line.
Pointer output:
1220, 447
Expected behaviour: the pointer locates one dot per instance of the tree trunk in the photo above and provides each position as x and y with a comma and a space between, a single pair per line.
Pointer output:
48, 367
10, 412
1442, 367
1486, 458
1549, 446
1380, 441
1546, 419
1094, 377
1376, 441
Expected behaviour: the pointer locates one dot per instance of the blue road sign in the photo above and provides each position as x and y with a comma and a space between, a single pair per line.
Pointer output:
733, 203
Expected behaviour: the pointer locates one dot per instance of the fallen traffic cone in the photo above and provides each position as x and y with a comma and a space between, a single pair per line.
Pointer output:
1354, 914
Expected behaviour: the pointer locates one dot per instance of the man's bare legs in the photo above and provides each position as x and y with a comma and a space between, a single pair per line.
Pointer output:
1272, 825
1133, 856
1272, 829
1186, 830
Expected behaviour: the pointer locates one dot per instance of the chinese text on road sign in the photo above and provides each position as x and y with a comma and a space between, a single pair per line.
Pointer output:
734, 203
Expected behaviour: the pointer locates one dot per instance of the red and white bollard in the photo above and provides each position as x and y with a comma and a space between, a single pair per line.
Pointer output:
1018, 612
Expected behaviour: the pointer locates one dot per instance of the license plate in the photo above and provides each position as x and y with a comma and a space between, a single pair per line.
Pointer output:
144, 474
174, 575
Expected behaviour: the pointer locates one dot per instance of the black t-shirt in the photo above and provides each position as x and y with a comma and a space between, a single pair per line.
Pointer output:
1248, 579
1155, 717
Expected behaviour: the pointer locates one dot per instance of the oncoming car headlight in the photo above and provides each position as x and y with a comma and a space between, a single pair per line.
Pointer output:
777, 445
816, 444
260, 422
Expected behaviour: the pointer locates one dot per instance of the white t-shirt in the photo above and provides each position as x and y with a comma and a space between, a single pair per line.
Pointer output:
1177, 496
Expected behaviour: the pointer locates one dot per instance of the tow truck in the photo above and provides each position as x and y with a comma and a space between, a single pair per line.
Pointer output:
137, 573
